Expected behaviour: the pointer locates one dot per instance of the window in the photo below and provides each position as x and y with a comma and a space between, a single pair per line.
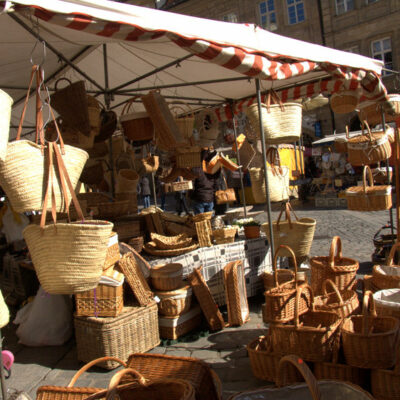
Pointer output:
268, 15
343, 6
382, 50
352, 49
231, 17
295, 11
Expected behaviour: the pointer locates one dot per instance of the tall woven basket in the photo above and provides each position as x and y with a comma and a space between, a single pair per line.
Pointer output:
340, 270
298, 234
68, 258
281, 122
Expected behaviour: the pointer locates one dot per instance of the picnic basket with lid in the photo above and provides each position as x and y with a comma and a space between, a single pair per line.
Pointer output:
280, 301
370, 341
368, 148
387, 276
369, 198
340, 270
313, 335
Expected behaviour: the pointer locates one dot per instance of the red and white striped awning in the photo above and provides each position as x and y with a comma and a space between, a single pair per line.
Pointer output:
302, 69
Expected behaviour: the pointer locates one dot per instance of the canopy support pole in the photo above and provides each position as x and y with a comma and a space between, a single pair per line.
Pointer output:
55, 51
107, 101
264, 153
238, 160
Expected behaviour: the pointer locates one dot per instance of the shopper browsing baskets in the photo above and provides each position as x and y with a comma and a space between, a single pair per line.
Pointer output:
144, 186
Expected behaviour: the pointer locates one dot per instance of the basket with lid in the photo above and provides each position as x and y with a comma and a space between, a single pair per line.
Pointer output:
167, 276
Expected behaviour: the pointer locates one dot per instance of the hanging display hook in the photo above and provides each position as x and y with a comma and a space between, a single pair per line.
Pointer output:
33, 62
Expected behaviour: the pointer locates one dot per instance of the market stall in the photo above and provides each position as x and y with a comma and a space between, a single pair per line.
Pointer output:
214, 61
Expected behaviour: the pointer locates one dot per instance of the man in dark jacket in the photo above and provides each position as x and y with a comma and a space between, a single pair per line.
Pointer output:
145, 190
204, 187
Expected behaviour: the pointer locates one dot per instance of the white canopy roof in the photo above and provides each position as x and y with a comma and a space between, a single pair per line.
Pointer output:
144, 46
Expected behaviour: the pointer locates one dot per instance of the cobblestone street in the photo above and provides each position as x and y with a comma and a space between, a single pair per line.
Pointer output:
225, 350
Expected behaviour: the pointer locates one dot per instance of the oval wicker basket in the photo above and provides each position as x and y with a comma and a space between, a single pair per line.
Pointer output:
167, 277
343, 102
387, 303
175, 302
171, 242
387, 276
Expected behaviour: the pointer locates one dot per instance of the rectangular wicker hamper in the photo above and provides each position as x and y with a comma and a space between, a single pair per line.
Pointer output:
135, 330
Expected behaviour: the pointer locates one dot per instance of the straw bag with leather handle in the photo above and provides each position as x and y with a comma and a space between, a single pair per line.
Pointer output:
297, 234
311, 389
68, 257
368, 148
71, 103
340, 270
387, 276
369, 197
281, 121
370, 341
225, 196
23, 174
280, 301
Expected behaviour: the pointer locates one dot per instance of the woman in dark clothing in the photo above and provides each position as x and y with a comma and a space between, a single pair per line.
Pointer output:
204, 187
145, 190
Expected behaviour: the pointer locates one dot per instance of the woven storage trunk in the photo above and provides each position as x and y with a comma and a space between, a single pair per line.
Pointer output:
340, 270
313, 336
103, 301
369, 198
342, 303
387, 276
174, 302
193, 370
23, 174
206, 301
236, 294
68, 258
167, 276
368, 148
264, 361
281, 122
297, 234
387, 303
188, 157
175, 327
6, 102
282, 301
134, 330
370, 341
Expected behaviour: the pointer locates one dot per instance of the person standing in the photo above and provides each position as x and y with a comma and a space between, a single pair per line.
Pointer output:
145, 190
181, 204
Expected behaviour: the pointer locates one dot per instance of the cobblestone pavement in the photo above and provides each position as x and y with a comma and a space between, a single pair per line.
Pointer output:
225, 350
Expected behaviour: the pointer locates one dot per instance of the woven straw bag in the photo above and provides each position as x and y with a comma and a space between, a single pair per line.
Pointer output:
343, 102
127, 181
387, 276
297, 234
281, 122
4, 312
23, 174
340, 270
6, 103
370, 341
280, 301
369, 197
368, 148
68, 257
71, 102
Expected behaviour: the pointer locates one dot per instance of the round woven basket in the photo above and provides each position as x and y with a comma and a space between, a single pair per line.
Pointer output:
167, 277
387, 303
343, 102
68, 258
175, 302
24, 170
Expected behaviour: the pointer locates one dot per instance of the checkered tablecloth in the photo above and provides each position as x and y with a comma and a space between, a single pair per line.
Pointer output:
254, 253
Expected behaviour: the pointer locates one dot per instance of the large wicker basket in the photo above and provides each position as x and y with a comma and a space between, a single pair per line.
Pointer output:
175, 302
340, 270
167, 276
343, 102
369, 198
387, 303
370, 341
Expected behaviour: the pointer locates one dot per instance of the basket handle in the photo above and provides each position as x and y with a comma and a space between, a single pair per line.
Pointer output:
335, 250
393, 250
91, 364
335, 289
370, 178
368, 300
128, 105
284, 247
275, 100
347, 132
61, 79
299, 291
304, 370
363, 124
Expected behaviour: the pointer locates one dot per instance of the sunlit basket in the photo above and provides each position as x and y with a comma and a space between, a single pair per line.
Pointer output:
224, 235
343, 102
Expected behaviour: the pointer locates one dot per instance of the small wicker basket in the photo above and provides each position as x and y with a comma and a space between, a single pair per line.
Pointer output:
224, 235
175, 302
188, 157
167, 277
